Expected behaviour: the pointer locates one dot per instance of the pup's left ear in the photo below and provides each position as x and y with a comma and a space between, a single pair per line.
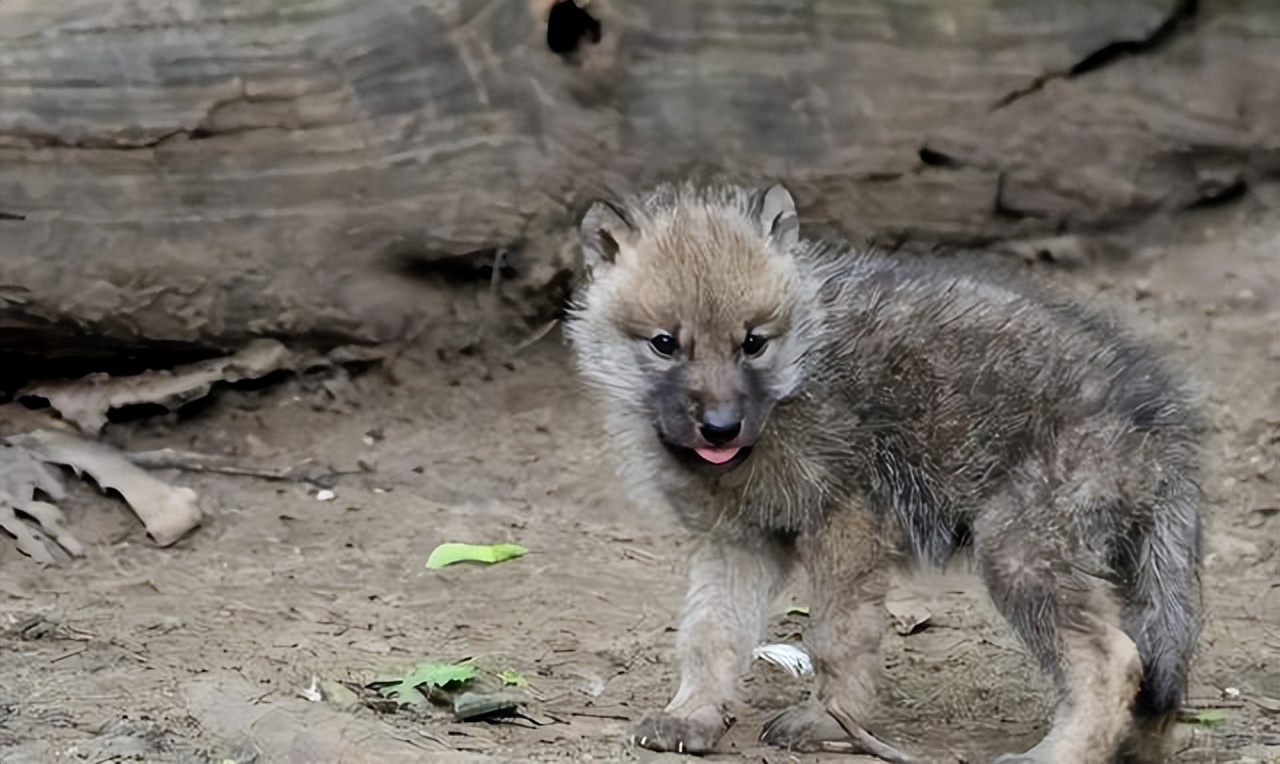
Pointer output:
778, 219
605, 231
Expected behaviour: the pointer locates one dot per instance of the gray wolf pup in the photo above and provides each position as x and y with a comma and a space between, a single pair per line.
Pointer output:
801, 405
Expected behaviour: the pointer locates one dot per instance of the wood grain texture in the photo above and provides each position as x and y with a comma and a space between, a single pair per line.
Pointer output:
202, 171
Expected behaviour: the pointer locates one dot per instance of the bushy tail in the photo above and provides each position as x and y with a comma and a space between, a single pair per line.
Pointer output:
1162, 611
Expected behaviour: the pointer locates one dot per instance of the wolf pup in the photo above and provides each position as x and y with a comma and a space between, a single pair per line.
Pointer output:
803, 405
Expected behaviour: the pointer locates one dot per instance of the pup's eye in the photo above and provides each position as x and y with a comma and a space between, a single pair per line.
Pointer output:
664, 344
754, 344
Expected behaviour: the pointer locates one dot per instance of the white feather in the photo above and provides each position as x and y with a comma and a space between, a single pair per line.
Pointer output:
793, 658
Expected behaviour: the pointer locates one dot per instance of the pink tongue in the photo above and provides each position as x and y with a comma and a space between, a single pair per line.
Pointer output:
717, 455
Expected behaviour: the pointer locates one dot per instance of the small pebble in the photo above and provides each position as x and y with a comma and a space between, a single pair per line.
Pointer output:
325, 495
1230, 693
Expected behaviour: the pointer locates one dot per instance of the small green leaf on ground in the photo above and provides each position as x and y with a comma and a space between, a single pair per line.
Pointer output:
444, 676
513, 678
798, 610
1205, 717
448, 554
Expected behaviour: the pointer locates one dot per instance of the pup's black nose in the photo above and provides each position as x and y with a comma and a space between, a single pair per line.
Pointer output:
720, 427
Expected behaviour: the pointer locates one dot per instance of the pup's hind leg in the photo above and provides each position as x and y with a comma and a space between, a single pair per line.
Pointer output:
848, 577
731, 586
1071, 624
1147, 741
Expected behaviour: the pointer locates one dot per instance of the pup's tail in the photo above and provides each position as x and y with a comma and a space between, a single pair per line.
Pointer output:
1162, 612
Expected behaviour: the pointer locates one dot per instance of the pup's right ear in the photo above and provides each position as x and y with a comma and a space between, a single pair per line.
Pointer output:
778, 218
605, 230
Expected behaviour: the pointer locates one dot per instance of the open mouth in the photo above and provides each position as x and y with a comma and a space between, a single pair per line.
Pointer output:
709, 459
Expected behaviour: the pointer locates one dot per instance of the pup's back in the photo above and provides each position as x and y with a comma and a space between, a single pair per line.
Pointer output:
965, 389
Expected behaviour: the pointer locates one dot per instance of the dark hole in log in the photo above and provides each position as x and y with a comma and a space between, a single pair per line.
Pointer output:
937, 158
468, 267
1215, 193
567, 24
59, 356
135, 411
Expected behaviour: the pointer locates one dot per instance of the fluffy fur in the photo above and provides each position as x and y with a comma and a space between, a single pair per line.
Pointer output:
900, 411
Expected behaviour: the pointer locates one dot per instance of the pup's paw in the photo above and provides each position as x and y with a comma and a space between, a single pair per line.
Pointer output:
664, 732
811, 728
806, 728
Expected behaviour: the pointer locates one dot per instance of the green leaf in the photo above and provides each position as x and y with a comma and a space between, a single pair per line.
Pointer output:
1207, 717
513, 678
444, 676
448, 554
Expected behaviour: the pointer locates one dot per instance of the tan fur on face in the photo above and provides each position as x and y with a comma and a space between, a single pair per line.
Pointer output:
698, 274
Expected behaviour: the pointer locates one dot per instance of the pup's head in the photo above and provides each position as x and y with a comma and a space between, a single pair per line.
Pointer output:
688, 314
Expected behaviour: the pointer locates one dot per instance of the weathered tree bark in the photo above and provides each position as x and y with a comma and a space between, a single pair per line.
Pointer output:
195, 171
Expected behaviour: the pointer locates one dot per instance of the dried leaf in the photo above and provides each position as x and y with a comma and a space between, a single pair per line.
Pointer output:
908, 616
473, 706
22, 474
167, 512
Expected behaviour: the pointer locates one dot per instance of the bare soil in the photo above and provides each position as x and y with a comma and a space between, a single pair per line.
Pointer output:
204, 651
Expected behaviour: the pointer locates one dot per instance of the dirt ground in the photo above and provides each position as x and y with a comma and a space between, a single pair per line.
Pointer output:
205, 651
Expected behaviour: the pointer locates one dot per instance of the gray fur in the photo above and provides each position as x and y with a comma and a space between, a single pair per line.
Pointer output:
904, 410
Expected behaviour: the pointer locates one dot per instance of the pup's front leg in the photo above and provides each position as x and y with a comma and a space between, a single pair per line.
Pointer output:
848, 576
731, 585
